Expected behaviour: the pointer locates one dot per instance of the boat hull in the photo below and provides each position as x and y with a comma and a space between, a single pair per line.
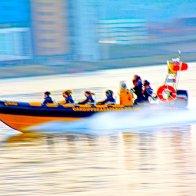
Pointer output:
24, 123
23, 116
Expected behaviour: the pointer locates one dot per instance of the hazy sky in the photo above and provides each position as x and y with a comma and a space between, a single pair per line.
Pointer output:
151, 10
14, 11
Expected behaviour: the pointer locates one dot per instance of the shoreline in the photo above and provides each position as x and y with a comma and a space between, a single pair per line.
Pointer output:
33, 70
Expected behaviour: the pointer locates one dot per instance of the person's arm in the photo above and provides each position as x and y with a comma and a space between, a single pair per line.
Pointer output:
71, 101
149, 91
83, 102
102, 102
105, 101
47, 100
51, 101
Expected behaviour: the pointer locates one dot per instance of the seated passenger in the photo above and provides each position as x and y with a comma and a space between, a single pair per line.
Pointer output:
126, 97
148, 91
109, 98
137, 89
47, 98
68, 97
89, 98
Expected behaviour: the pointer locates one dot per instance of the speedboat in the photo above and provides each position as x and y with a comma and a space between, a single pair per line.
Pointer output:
21, 116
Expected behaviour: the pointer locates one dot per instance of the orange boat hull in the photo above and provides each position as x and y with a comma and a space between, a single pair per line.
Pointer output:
23, 123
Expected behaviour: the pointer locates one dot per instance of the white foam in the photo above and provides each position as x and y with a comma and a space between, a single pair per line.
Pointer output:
112, 122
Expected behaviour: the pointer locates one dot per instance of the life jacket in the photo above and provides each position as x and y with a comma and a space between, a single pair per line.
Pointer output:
147, 92
108, 100
126, 97
89, 100
134, 83
138, 89
69, 99
47, 100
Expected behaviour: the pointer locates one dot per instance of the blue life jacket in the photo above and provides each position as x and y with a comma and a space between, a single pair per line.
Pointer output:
138, 89
88, 99
109, 99
148, 93
47, 100
69, 99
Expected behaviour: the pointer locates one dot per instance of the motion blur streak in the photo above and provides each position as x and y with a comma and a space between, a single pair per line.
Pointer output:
113, 122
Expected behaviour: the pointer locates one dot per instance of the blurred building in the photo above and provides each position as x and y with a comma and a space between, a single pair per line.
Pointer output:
85, 22
15, 33
89, 30
116, 36
65, 28
122, 31
15, 44
50, 27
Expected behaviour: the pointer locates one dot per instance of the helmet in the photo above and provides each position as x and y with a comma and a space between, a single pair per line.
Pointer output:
123, 85
146, 82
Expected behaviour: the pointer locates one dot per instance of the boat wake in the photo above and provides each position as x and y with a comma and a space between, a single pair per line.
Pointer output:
114, 122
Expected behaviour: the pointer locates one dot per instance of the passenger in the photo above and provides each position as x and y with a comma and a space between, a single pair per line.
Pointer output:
47, 98
126, 97
109, 98
68, 97
137, 89
89, 98
148, 91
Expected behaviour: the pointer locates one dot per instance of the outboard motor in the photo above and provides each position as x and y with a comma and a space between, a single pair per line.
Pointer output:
181, 98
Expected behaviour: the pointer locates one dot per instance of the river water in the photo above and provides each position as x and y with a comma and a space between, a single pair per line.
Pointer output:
110, 154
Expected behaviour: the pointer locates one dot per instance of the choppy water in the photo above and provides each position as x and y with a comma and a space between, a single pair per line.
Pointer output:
110, 154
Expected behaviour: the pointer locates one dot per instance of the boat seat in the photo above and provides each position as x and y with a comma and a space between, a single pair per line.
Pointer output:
68, 105
116, 105
101, 106
11, 103
54, 105
85, 106
35, 104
